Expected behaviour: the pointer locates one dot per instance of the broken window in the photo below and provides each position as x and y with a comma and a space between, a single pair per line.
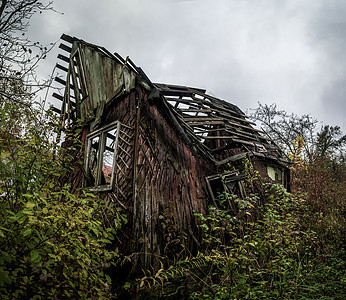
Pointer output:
260, 148
274, 173
100, 157
230, 183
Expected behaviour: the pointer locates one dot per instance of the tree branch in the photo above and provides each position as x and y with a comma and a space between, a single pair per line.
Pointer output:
16, 11
2, 7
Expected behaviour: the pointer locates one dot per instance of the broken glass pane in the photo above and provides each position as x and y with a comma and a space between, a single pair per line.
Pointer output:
108, 156
93, 157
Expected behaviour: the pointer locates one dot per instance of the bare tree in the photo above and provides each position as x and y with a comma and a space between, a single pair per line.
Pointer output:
288, 129
285, 128
19, 57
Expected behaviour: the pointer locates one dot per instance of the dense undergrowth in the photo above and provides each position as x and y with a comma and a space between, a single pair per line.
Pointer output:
53, 242
292, 247
277, 256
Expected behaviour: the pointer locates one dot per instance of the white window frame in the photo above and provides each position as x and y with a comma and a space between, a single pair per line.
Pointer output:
102, 134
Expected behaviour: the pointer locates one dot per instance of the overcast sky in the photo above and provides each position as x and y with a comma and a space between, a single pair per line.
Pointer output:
289, 52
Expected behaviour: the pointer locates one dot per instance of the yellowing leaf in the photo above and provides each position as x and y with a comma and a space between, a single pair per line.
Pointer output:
30, 204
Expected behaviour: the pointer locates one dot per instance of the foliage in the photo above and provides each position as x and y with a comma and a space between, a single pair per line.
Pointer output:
279, 256
297, 149
276, 258
53, 243
329, 141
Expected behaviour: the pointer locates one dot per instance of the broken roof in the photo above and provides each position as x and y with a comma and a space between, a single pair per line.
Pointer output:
203, 118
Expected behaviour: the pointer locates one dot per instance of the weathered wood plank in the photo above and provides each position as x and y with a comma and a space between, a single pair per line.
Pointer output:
63, 58
208, 137
68, 38
61, 67
193, 124
65, 48
200, 119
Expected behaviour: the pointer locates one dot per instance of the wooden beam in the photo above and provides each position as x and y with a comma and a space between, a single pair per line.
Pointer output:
65, 48
232, 158
68, 38
61, 67
200, 130
200, 119
56, 110
63, 82
195, 110
192, 124
77, 90
211, 192
57, 96
61, 98
59, 80
217, 137
64, 58
80, 74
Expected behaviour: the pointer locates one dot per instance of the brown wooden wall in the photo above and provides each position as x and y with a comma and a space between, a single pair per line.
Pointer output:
169, 186
164, 185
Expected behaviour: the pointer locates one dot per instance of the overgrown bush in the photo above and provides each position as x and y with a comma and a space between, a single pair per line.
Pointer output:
53, 244
274, 257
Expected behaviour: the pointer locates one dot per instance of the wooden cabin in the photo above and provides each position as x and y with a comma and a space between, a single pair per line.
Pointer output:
158, 150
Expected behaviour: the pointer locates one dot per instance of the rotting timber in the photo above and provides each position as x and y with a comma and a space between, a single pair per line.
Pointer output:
157, 150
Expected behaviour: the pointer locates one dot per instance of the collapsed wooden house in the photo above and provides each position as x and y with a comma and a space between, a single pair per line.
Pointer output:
159, 150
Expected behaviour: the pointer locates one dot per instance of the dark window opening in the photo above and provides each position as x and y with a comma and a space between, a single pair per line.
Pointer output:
230, 183
100, 157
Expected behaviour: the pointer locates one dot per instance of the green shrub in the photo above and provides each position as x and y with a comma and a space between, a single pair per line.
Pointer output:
274, 257
53, 244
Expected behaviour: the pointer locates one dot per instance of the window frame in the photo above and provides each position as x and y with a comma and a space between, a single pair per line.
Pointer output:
223, 179
102, 134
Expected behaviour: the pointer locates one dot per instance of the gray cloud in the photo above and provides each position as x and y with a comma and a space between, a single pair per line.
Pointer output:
290, 52
327, 30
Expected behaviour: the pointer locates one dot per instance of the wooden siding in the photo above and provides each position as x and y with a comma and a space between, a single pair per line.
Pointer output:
168, 185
